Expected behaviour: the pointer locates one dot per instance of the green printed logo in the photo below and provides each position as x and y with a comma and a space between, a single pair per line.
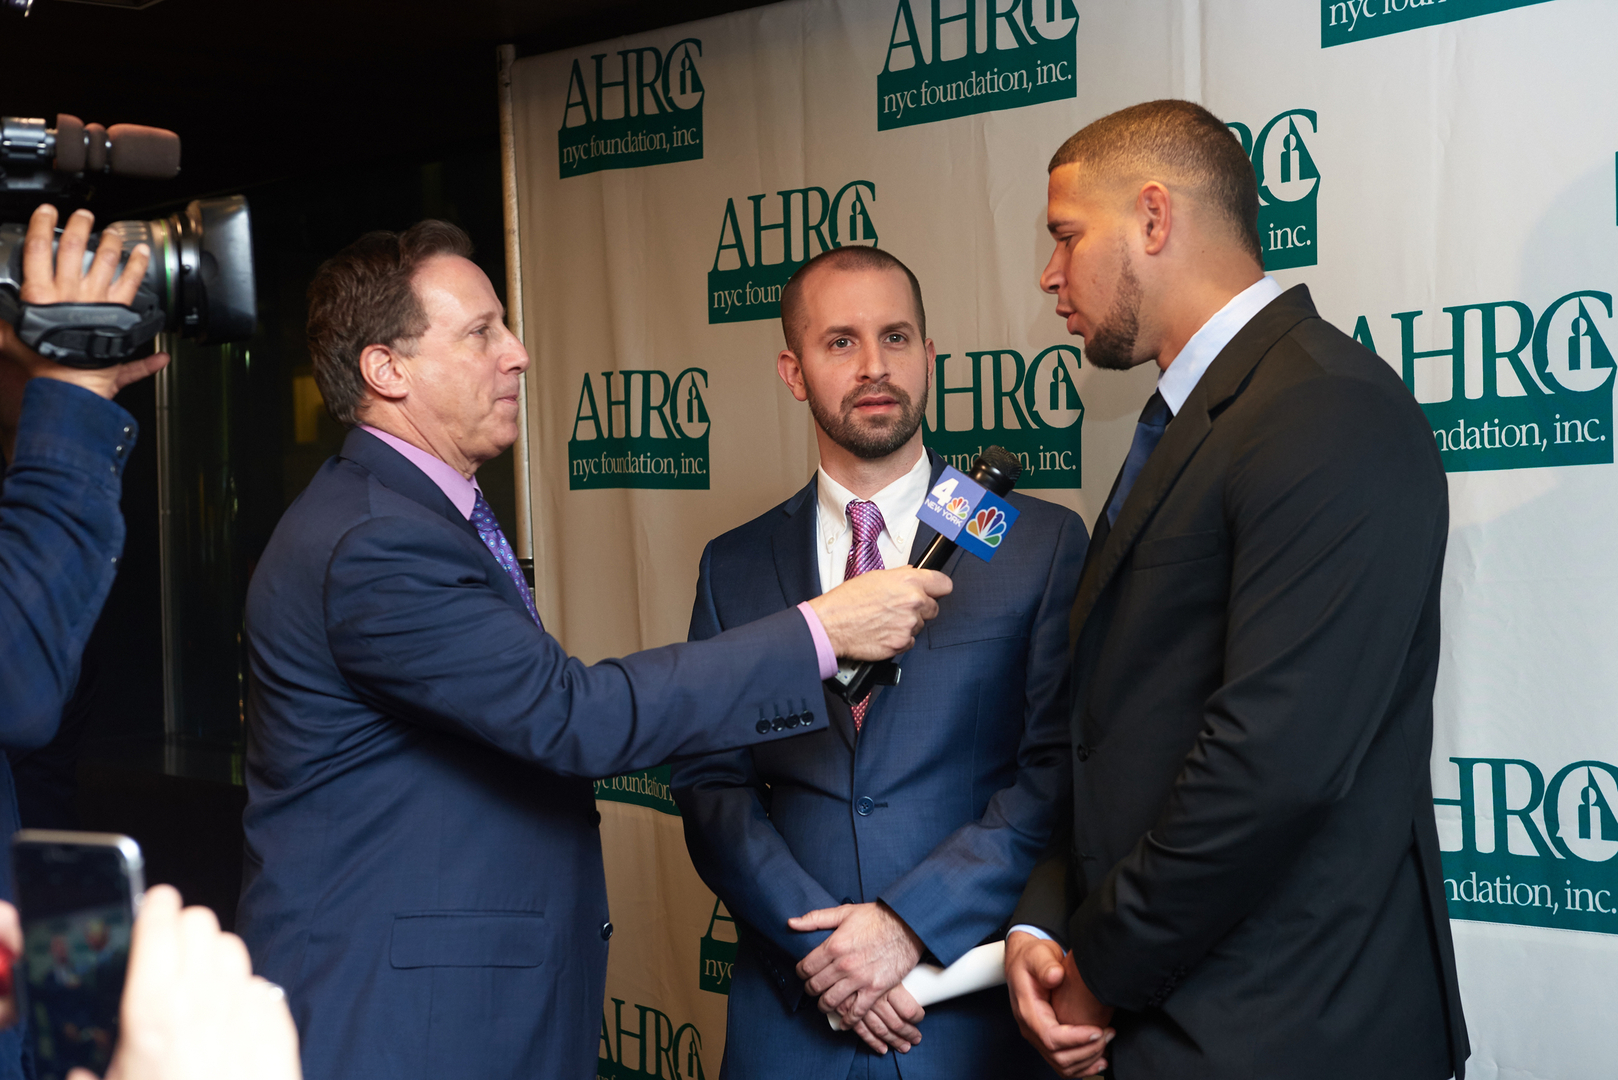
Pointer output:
1545, 854
1492, 408
1342, 21
1288, 188
716, 955
656, 116
743, 288
1030, 408
980, 59
645, 430
657, 1049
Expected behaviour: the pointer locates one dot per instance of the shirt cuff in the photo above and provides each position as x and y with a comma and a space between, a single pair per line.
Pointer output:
823, 651
1027, 929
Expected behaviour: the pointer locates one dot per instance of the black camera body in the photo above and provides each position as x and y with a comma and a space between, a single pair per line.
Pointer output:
199, 282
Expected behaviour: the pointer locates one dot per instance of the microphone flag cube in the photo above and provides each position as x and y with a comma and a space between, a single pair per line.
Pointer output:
964, 511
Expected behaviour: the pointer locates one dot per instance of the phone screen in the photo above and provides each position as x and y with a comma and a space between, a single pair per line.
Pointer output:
77, 902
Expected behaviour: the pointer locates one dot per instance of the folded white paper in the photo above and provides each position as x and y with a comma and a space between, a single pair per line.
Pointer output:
983, 967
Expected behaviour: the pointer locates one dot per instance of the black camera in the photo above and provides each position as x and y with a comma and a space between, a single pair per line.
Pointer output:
199, 282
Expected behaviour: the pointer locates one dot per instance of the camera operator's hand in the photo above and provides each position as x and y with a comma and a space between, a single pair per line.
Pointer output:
65, 281
192, 1009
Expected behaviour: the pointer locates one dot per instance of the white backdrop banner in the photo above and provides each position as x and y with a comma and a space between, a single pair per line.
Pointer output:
1433, 169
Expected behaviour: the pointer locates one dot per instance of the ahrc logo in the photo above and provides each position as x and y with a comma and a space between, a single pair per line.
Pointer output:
654, 434
657, 1049
1493, 408
1031, 409
1548, 859
1288, 187
743, 288
655, 117
982, 58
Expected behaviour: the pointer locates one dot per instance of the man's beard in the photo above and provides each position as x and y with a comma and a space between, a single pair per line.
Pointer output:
1112, 346
875, 438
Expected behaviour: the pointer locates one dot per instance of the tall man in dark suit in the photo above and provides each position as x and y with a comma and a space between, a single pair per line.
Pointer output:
1251, 884
908, 829
423, 871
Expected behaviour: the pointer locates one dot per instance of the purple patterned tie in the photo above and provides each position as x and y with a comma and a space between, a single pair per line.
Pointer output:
863, 555
489, 529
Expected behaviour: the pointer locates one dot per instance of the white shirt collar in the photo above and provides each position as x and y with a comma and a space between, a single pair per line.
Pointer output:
1185, 372
898, 502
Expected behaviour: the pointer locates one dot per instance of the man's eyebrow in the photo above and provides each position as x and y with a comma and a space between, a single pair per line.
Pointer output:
903, 324
840, 331
481, 317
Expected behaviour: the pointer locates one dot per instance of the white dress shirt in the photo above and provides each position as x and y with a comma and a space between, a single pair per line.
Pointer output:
1186, 371
898, 502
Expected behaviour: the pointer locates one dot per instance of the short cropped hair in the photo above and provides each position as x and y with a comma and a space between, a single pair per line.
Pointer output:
364, 296
855, 257
1178, 142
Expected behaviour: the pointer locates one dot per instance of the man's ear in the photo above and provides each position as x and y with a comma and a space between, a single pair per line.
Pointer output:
1154, 210
791, 372
383, 373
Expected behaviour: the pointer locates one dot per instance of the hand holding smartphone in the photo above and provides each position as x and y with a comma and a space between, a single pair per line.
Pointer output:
77, 894
165, 996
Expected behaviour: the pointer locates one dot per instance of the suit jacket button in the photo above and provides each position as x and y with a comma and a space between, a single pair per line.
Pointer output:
792, 719
763, 727
606, 931
806, 717
1082, 752
863, 807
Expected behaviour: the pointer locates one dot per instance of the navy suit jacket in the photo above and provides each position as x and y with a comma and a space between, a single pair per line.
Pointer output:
939, 806
423, 870
61, 533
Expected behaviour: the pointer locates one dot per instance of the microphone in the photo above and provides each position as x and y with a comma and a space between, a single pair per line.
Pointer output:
73, 146
995, 471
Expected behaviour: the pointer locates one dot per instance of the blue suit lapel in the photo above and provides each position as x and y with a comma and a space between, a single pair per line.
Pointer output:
397, 473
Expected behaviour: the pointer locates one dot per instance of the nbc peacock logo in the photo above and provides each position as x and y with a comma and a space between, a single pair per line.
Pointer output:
958, 508
988, 526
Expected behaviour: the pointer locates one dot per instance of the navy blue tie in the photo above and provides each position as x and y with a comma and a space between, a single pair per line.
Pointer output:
1154, 418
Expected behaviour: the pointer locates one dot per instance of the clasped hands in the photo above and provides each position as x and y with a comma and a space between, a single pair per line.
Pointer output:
1054, 1008
858, 971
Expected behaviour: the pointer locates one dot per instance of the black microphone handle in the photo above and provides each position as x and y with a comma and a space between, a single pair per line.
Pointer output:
997, 470
859, 684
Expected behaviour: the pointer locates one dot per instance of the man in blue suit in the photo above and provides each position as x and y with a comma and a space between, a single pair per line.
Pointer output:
422, 869
908, 829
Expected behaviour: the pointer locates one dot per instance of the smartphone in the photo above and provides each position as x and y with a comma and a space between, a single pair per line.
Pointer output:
76, 893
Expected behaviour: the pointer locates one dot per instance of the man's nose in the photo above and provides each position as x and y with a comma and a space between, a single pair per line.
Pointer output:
514, 356
873, 362
1051, 278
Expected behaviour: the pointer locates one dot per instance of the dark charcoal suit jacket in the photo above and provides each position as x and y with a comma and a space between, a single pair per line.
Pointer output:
939, 806
423, 871
1252, 873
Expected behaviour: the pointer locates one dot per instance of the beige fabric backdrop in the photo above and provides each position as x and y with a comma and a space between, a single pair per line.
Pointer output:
1441, 181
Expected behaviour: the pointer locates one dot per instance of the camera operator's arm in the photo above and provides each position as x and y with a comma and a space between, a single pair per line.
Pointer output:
66, 443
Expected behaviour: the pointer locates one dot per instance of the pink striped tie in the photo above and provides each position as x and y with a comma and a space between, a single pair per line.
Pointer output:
863, 555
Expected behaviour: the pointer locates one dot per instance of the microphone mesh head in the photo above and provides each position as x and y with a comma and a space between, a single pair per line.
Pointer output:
69, 144
143, 151
997, 469
95, 148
